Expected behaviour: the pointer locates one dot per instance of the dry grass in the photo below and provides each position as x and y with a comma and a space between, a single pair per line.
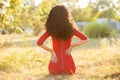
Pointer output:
23, 60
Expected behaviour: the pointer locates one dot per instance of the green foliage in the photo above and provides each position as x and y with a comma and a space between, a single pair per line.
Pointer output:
14, 3
95, 30
96, 16
1, 5
18, 30
17, 61
44, 8
80, 14
41, 14
19, 15
4, 43
107, 8
38, 26
115, 33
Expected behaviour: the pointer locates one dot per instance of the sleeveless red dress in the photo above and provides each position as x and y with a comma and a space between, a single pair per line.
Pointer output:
65, 63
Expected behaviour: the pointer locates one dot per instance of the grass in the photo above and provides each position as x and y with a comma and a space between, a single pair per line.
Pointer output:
22, 59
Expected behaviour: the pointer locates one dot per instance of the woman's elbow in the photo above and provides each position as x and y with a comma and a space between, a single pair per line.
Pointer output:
39, 43
86, 40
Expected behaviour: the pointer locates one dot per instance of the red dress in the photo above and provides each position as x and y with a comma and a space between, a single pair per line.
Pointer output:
65, 63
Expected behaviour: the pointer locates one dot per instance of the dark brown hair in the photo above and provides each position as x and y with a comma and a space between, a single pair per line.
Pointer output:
59, 23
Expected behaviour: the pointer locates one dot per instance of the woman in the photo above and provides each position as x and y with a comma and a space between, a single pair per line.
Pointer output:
60, 26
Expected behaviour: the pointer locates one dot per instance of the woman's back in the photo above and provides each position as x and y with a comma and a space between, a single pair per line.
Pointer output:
65, 63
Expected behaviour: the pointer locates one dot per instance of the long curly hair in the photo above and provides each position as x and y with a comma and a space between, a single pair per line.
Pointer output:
60, 23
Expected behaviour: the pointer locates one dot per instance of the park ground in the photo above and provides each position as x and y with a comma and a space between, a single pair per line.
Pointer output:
22, 59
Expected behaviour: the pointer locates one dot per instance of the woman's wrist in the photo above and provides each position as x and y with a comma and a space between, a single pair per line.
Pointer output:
52, 51
71, 46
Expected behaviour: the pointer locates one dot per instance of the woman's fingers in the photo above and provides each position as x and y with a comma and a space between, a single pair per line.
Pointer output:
54, 58
68, 51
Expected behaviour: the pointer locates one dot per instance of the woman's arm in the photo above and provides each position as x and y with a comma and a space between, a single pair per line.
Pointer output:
53, 55
79, 43
83, 39
68, 51
40, 43
46, 48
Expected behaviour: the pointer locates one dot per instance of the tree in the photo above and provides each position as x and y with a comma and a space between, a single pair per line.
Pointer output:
9, 17
117, 16
107, 8
44, 8
2, 14
82, 14
41, 13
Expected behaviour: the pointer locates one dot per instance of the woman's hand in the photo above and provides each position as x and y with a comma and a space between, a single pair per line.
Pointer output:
53, 55
54, 58
68, 51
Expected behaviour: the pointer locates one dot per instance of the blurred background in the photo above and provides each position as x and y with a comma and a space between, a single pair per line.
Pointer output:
22, 22
28, 16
